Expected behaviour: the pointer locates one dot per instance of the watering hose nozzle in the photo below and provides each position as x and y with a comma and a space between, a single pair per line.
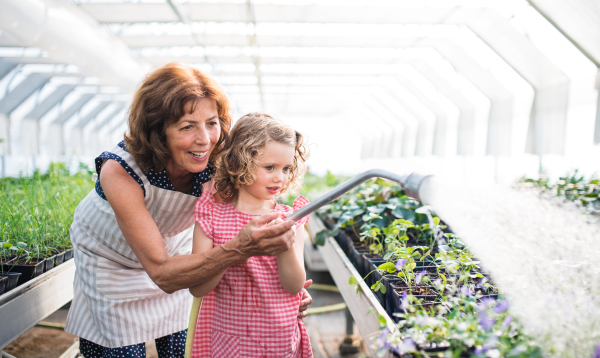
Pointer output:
410, 183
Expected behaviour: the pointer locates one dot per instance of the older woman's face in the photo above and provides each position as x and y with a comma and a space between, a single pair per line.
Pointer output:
193, 137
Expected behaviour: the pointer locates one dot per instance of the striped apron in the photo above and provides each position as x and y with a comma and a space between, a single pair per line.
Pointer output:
115, 302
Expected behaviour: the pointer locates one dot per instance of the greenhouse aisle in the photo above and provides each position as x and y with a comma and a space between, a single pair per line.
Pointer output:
326, 330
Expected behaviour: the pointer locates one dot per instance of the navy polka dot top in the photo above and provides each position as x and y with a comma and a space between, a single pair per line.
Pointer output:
157, 179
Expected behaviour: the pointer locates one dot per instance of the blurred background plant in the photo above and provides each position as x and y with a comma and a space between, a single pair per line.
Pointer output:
572, 189
38, 210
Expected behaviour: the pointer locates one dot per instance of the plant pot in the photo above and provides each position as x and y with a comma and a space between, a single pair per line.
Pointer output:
3, 282
59, 259
356, 258
397, 299
426, 263
431, 270
68, 254
13, 279
368, 258
371, 265
28, 271
49, 263
341, 238
433, 348
390, 306
374, 277
426, 292
344, 241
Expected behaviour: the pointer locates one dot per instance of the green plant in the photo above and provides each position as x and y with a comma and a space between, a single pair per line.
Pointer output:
571, 188
405, 233
37, 211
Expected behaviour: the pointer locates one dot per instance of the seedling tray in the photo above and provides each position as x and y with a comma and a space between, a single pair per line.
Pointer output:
364, 306
28, 304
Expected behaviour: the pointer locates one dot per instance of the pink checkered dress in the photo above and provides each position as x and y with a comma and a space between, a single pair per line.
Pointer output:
248, 314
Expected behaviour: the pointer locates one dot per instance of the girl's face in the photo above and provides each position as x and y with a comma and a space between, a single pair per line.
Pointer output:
191, 139
275, 164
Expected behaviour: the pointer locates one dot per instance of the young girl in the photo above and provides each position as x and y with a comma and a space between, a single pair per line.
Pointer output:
250, 309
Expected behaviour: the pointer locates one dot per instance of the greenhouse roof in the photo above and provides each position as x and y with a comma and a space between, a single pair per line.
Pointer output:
434, 77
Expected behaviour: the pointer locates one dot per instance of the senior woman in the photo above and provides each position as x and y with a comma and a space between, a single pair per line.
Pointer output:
133, 233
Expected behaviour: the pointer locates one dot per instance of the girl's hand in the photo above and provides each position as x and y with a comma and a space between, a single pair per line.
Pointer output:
258, 239
306, 300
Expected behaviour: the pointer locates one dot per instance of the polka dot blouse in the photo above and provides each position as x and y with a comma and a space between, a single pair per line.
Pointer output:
157, 179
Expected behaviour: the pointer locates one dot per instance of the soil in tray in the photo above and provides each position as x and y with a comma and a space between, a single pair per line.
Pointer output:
416, 290
360, 246
29, 270
31, 262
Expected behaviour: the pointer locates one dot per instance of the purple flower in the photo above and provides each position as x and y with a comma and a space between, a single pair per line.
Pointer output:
399, 264
486, 321
489, 344
480, 284
507, 321
405, 346
501, 306
382, 342
421, 321
465, 290
597, 352
420, 276
404, 303
485, 303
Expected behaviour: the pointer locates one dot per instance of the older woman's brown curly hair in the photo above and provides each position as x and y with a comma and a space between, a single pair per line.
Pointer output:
160, 101
238, 161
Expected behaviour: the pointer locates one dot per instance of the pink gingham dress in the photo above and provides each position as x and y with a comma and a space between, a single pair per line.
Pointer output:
248, 314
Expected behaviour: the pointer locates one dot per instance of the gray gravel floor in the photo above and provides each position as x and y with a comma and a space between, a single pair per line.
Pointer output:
328, 330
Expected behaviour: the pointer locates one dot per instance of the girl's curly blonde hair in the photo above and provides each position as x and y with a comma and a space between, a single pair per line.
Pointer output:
237, 163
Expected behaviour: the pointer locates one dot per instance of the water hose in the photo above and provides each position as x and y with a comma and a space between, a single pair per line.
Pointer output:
51, 325
410, 183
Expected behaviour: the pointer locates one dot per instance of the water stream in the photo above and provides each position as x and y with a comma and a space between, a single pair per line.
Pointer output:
546, 259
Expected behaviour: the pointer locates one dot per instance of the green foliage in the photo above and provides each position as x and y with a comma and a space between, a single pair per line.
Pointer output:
36, 212
404, 233
573, 188
459, 326
313, 186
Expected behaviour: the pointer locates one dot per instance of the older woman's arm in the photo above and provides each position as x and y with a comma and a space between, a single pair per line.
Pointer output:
175, 273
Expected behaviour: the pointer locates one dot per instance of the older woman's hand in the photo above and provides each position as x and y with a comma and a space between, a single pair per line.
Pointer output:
259, 239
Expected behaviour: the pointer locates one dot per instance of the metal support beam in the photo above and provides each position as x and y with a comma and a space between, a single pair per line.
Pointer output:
75, 107
49, 102
57, 140
117, 107
474, 113
92, 114
14, 99
597, 127
71, 36
251, 23
5, 68
23, 90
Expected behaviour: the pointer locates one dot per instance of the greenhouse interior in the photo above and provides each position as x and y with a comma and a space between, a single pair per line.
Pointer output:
453, 181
